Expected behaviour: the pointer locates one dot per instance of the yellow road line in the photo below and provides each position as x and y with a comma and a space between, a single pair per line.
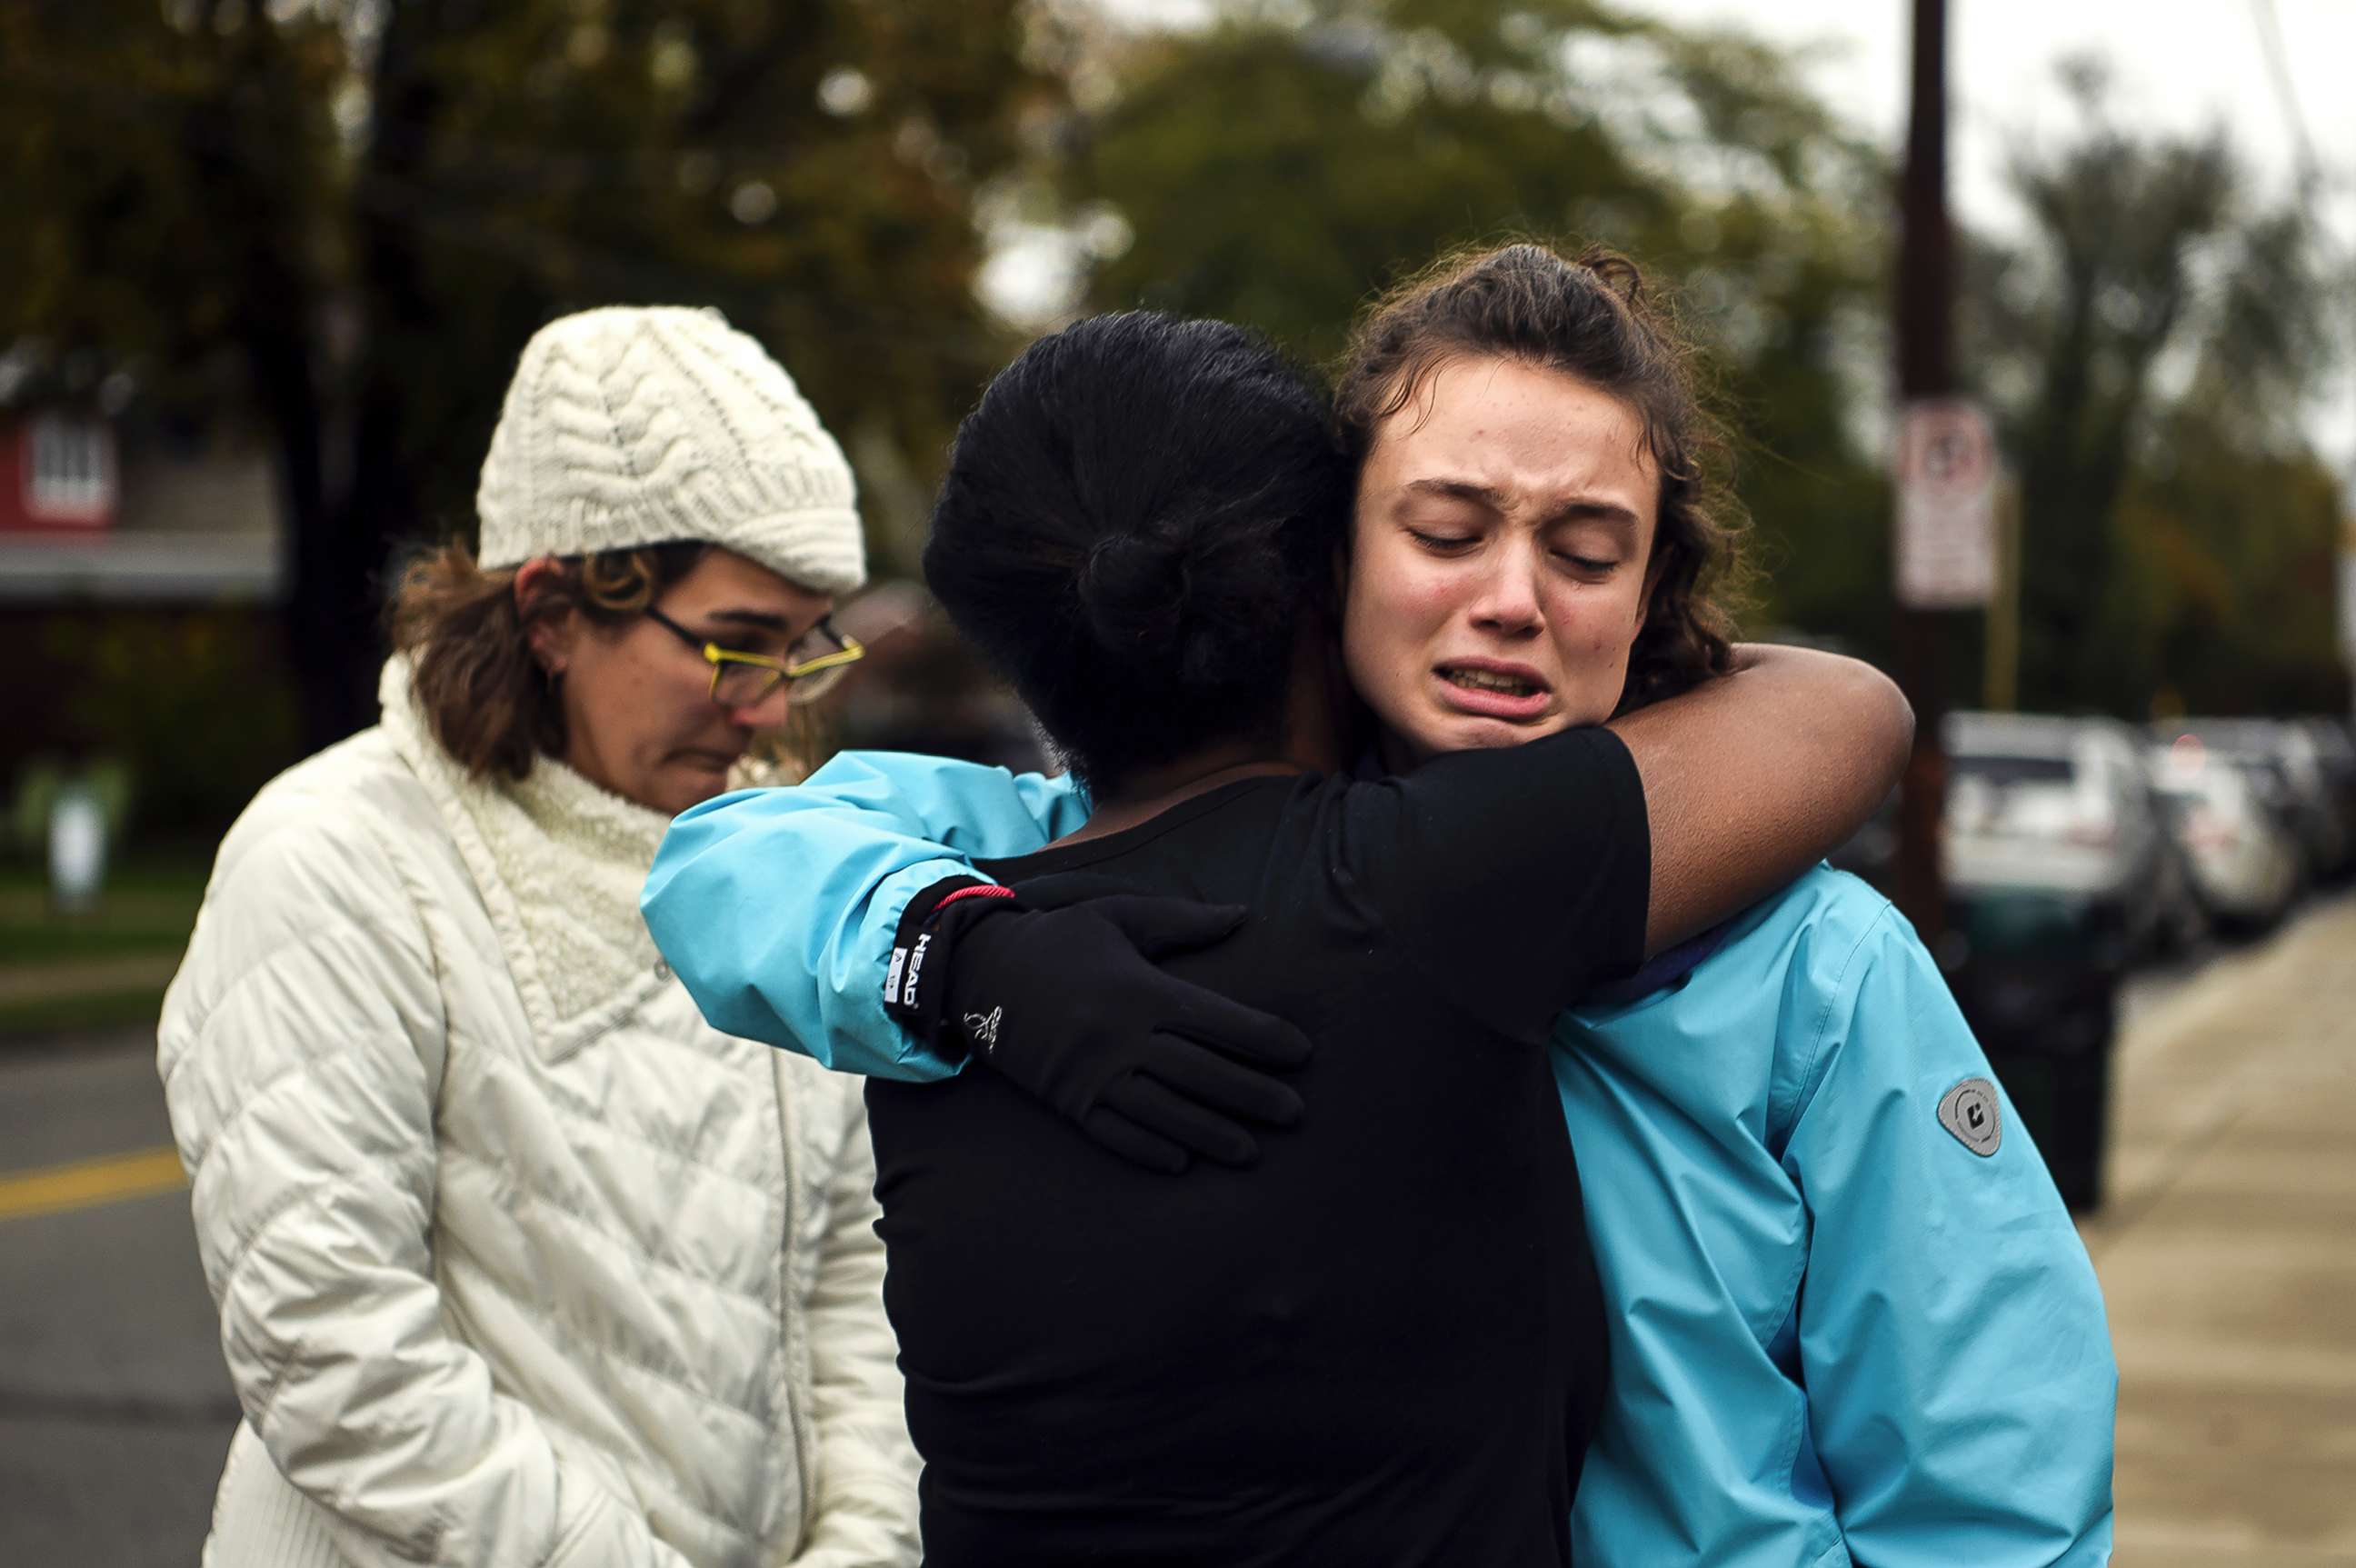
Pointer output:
54, 1189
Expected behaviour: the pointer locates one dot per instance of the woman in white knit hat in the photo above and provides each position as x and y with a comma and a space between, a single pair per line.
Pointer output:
519, 1261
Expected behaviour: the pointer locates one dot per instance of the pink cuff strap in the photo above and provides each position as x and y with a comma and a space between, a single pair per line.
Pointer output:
984, 891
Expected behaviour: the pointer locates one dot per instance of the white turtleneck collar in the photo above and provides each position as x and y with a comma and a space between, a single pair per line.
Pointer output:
560, 863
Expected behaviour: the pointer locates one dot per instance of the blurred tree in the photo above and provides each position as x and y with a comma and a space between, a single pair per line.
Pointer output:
2149, 348
1288, 161
2232, 549
168, 171
373, 204
165, 167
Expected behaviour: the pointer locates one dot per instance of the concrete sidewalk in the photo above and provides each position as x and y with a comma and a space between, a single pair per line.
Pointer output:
2227, 1252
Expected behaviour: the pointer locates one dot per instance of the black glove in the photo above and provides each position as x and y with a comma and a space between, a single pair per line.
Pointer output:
1065, 1003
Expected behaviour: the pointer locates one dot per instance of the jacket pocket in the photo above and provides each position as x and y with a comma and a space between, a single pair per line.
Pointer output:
260, 1520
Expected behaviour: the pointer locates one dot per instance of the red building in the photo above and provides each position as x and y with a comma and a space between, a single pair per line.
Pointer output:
57, 475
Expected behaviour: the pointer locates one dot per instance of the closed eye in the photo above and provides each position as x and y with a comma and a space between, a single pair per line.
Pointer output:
1445, 543
1593, 565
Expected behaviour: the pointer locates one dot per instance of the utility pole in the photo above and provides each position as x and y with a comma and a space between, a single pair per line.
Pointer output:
1926, 369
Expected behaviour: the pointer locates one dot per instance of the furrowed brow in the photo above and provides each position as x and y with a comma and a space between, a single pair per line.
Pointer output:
1460, 490
1611, 512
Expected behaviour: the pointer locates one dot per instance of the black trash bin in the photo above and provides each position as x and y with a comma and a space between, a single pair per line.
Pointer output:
2038, 977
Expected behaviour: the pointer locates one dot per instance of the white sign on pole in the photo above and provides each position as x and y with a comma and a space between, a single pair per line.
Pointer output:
77, 849
1946, 505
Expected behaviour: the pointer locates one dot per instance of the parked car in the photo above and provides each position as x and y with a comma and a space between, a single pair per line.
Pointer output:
2335, 752
2287, 766
2185, 920
2244, 865
2058, 875
2052, 825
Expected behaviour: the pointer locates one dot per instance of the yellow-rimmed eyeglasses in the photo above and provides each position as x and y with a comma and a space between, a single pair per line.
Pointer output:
809, 671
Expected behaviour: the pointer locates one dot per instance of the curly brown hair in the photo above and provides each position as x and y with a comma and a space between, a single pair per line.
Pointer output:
488, 701
1593, 317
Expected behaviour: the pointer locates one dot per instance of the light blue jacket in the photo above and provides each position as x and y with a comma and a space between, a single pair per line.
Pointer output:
1839, 1334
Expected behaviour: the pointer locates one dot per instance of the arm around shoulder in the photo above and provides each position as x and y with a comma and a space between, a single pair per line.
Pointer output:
1754, 776
777, 908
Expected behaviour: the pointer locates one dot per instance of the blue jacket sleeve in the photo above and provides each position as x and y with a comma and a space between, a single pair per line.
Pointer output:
777, 908
1951, 1333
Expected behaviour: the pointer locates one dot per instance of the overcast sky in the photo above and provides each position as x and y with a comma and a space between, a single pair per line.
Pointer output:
2178, 64
2183, 64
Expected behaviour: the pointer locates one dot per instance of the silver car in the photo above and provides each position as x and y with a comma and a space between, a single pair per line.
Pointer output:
2244, 865
2284, 762
2060, 810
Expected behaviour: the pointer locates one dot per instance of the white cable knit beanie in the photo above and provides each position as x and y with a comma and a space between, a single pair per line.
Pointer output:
634, 426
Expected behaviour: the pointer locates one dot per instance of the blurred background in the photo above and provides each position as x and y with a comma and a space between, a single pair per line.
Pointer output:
266, 268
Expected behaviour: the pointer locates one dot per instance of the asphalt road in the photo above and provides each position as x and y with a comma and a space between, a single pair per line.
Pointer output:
2227, 1251
115, 1410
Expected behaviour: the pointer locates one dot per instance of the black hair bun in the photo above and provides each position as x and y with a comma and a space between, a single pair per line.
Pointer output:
1203, 592
1134, 520
1132, 590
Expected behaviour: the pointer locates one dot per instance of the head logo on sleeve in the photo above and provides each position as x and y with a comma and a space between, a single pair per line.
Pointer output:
1969, 1112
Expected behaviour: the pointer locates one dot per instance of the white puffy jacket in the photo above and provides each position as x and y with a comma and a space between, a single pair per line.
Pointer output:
518, 1261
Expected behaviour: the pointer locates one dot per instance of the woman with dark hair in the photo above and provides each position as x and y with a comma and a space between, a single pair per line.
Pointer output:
1847, 1311
518, 1261
1849, 1315
1380, 1344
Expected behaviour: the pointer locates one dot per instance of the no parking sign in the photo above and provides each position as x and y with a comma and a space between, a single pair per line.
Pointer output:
1946, 505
